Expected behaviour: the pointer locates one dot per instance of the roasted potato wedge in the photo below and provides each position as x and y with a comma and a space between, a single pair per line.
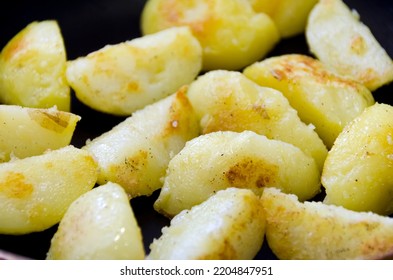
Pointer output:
136, 152
33, 68
100, 224
35, 192
324, 99
227, 100
224, 159
358, 169
28, 132
290, 16
313, 230
120, 79
229, 225
232, 35
346, 45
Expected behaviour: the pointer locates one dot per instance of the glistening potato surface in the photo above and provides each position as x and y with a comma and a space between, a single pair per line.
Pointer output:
33, 68
100, 224
230, 225
224, 159
36, 191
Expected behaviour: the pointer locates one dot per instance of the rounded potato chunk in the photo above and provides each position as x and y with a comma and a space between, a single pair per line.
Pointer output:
227, 100
290, 16
224, 159
342, 42
120, 79
322, 98
232, 35
35, 192
33, 68
136, 152
100, 224
229, 225
28, 132
358, 169
316, 231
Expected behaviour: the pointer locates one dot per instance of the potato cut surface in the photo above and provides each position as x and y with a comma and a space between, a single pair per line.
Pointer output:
313, 230
338, 37
322, 98
227, 100
123, 78
224, 159
135, 153
33, 68
98, 225
231, 33
35, 192
358, 169
229, 225
28, 132
290, 16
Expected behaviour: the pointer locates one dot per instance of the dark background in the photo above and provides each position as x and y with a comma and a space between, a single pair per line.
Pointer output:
90, 25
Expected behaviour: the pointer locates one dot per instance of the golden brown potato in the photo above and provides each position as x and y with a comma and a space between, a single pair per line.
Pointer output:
35, 192
227, 100
120, 79
33, 67
232, 35
358, 169
313, 230
341, 41
100, 224
28, 132
322, 98
290, 16
224, 159
136, 153
229, 225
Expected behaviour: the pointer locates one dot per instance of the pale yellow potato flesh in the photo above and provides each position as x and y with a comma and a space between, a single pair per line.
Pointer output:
33, 68
227, 100
358, 169
316, 231
321, 97
229, 225
35, 192
136, 152
28, 132
120, 79
290, 16
231, 33
336, 35
224, 159
99, 225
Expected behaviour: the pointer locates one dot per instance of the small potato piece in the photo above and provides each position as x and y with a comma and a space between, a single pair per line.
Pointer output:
28, 132
313, 230
224, 159
120, 79
341, 41
290, 16
358, 170
100, 224
229, 225
35, 192
322, 98
33, 67
136, 153
225, 100
232, 35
